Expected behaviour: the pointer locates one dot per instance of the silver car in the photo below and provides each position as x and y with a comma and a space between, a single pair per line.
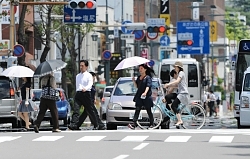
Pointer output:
121, 108
104, 102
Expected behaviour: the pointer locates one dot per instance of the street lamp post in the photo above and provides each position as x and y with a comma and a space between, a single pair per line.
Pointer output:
107, 62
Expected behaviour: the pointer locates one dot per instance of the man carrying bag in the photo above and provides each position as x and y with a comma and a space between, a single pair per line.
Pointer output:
48, 101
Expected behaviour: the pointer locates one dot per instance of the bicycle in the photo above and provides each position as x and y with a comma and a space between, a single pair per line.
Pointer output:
193, 115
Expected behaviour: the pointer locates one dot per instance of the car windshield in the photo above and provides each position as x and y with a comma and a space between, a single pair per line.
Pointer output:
4, 89
127, 88
36, 95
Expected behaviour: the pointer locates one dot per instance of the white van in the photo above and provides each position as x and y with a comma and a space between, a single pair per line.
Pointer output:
245, 100
192, 69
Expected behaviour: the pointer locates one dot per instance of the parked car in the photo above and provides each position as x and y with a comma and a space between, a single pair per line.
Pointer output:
9, 101
121, 108
62, 104
104, 102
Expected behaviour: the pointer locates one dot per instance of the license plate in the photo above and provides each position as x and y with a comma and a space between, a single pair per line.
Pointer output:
131, 116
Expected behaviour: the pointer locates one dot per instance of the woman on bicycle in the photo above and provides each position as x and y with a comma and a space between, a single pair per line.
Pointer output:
143, 94
182, 96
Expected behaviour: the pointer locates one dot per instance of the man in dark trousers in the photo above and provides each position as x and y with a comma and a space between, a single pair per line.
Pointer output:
84, 82
83, 116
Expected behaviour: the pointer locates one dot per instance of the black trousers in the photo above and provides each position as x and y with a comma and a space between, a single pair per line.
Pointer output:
169, 98
211, 107
147, 103
84, 115
83, 98
46, 104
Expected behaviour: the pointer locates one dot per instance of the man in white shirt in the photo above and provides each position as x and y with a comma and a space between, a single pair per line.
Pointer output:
84, 82
212, 100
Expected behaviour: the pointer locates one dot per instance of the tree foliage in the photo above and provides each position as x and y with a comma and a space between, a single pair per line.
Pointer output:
235, 29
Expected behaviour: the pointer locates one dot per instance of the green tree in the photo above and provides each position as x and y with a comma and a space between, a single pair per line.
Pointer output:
242, 6
235, 29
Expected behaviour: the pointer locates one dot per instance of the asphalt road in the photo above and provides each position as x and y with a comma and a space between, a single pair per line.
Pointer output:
127, 144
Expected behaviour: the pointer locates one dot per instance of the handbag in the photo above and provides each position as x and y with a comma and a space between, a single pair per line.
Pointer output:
49, 92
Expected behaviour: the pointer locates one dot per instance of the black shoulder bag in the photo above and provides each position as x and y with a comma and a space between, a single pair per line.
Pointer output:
49, 92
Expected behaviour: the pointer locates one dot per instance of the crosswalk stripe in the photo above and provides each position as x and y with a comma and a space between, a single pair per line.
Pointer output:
141, 146
91, 138
48, 138
135, 138
121, 157
8, 138
221, 139
177, 139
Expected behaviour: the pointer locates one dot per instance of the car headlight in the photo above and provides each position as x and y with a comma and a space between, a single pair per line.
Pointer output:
114, 106
244, 102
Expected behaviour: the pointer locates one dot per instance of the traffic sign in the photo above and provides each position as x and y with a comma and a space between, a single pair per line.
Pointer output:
195, 31
18, 50
127, 36
106, 55
152, 36
139, 34
80, 15
151, 63
164, 40
123, 28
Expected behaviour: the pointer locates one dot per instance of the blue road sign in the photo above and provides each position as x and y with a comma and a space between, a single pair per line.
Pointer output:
106, 55
18, 50
198, 32
164, 40
79, 15
151, 63
139, 34
124, 30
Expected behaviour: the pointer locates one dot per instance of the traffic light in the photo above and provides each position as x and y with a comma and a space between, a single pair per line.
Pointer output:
156, 29
82, 4
185, 42
100, 69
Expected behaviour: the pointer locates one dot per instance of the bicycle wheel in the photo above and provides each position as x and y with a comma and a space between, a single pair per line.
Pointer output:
157, 115
193, 116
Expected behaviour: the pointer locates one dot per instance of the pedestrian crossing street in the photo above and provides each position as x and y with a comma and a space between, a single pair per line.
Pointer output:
167, 136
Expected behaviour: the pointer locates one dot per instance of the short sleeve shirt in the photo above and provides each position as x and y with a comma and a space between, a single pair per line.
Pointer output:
175, 89
182, 86
142, 84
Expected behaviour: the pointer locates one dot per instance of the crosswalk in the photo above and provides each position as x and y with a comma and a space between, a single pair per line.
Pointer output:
174, 136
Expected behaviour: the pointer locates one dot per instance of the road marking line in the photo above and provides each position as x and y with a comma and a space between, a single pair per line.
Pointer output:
8, 138
91, 138
177, 139
135, 138
121, 157
141, 146
48, 138
221, 139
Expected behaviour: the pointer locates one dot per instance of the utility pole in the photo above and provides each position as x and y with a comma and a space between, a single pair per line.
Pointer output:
122, 41
107, 62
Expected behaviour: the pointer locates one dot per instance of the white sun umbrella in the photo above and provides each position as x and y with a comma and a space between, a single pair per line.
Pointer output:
130, 62
18, 71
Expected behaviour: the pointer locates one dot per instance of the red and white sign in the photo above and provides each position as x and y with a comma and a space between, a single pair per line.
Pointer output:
152, 36
144, 53
5, 12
